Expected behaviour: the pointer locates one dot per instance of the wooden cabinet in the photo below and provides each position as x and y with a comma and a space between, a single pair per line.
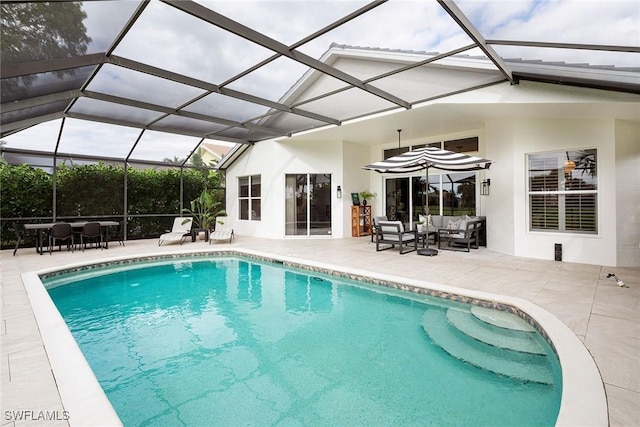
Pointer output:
360, 221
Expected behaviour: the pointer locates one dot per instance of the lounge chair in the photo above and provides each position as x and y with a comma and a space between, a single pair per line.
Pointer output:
392, 233
180, 230
223, 230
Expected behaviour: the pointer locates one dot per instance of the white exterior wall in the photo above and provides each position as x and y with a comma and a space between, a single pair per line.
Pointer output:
356, 180
544, 135
627, 169
273, 160
498, 205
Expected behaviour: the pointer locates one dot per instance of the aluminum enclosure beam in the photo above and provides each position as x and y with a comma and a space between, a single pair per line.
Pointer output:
249, 34
466, 25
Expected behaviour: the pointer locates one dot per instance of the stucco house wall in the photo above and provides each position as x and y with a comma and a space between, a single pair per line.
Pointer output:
543, 135
272, 161
627, 192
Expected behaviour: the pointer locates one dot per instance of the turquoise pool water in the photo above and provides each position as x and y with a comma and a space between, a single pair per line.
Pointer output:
228, 341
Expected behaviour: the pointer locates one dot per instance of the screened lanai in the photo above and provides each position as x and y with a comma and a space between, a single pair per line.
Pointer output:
146, 83
149, 80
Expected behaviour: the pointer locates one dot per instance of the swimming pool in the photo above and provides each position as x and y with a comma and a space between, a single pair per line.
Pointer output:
288, 346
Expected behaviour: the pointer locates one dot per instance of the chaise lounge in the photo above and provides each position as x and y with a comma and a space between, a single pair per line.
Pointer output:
223, 230
180, 230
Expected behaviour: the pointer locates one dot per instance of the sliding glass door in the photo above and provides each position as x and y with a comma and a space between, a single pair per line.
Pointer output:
397, 199
307, 204
448, 194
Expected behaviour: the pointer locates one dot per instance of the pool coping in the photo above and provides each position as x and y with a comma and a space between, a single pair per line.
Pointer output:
583, 399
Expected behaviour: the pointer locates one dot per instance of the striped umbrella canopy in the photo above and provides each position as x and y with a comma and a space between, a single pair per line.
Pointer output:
429, 157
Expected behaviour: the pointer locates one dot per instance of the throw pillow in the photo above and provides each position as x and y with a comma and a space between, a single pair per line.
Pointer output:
453, 225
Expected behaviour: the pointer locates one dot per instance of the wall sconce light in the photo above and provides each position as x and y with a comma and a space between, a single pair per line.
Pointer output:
485, 187
339, 193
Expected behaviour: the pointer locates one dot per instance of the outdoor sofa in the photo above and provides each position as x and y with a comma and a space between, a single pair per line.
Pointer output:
458, 232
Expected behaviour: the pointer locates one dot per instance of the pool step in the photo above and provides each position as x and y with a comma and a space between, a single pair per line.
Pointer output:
514, 364
501, 319
511, 339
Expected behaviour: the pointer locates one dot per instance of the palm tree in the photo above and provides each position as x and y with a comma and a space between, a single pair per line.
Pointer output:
177, 161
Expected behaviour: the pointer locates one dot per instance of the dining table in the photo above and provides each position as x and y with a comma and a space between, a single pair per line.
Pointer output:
42, 227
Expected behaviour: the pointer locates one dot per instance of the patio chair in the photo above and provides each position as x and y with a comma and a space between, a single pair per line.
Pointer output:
61, 232
91, 232
392, 233
119, 233
180, 230
374, 226
223, 230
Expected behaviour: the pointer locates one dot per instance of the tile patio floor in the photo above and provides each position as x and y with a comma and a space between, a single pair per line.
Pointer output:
605, 317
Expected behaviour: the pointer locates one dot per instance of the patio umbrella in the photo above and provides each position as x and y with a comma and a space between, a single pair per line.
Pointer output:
425, 158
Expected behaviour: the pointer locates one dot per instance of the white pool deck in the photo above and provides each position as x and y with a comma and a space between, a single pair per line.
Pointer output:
585, 307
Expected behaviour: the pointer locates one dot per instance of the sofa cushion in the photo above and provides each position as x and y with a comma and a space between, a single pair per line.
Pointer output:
426, 220
437, 221
393, 231
454, 224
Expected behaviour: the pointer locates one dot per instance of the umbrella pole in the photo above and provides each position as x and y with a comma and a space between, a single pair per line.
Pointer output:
426, 250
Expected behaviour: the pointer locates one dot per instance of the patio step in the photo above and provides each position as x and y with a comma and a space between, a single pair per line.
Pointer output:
525, 367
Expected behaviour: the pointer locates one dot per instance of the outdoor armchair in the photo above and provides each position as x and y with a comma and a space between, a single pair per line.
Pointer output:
180, 230
376, 220
392, 233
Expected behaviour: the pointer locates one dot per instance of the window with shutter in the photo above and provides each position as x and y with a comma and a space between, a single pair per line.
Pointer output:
563, 191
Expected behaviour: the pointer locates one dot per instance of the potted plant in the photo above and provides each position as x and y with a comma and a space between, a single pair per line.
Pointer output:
204, 209
366, 195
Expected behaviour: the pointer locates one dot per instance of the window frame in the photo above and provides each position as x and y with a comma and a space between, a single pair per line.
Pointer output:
563, 195
252, 200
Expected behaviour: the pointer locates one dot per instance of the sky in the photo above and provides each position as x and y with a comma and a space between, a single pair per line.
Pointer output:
167, 38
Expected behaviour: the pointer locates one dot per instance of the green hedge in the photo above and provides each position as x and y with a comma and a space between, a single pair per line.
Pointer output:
97, 191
